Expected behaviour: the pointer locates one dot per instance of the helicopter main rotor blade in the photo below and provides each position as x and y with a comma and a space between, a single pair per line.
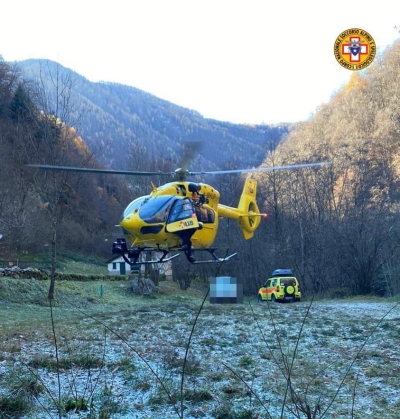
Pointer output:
88, 170
260, 169
180, 173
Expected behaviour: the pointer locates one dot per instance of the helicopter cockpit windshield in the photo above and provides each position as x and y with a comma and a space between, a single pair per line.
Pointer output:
134, 206
155, 209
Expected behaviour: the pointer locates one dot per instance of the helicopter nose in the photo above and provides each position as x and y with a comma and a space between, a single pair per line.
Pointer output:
130, 224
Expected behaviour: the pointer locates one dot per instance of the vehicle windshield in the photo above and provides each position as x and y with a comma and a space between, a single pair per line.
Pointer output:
155, 209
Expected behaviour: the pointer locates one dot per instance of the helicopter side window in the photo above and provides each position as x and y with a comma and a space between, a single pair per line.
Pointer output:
156, 209
182, 208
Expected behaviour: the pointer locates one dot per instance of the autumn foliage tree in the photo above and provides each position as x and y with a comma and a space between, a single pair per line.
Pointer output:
55, 208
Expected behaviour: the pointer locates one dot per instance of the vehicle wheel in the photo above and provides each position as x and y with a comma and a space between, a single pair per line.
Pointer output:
289, 290
289, 293
273, 298
260, 300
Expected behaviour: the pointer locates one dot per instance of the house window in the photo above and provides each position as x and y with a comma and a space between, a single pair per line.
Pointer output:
114, 266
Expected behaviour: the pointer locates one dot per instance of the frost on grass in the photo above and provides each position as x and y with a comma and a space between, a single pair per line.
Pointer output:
243, 360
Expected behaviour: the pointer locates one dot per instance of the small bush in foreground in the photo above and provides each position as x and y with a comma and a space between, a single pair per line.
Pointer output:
15, 406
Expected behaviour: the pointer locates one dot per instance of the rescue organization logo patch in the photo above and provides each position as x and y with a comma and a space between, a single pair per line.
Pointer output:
354, 49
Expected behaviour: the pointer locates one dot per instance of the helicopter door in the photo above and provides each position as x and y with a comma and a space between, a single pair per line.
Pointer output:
182, 216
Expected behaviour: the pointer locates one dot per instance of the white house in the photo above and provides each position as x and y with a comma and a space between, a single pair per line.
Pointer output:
118, 266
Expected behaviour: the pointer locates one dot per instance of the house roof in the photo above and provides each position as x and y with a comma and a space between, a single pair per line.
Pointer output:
116, 259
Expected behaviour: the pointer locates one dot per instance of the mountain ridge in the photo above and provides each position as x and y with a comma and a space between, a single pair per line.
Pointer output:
112, 115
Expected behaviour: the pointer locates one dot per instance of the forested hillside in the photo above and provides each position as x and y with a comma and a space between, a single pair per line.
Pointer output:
40, 209
339, 226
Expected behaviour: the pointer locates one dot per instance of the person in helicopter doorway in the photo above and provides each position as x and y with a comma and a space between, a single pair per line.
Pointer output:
183, 209
186, 235
187, 243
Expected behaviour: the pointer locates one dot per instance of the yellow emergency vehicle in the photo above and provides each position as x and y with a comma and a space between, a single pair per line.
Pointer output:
281, 287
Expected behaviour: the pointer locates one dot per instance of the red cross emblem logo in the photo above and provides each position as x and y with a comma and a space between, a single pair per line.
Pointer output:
355, 49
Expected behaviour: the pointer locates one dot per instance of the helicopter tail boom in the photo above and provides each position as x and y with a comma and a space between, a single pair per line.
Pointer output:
247, 213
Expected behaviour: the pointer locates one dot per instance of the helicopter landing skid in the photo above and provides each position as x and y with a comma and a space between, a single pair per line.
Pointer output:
215, 258
161, 259
131, 256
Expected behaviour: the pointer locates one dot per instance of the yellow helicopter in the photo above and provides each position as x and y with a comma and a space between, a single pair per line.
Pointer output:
181, 216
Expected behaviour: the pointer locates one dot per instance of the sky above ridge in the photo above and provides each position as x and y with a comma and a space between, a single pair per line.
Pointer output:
253, 61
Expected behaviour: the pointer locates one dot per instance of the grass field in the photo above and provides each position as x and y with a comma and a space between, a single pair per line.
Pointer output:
122, 356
